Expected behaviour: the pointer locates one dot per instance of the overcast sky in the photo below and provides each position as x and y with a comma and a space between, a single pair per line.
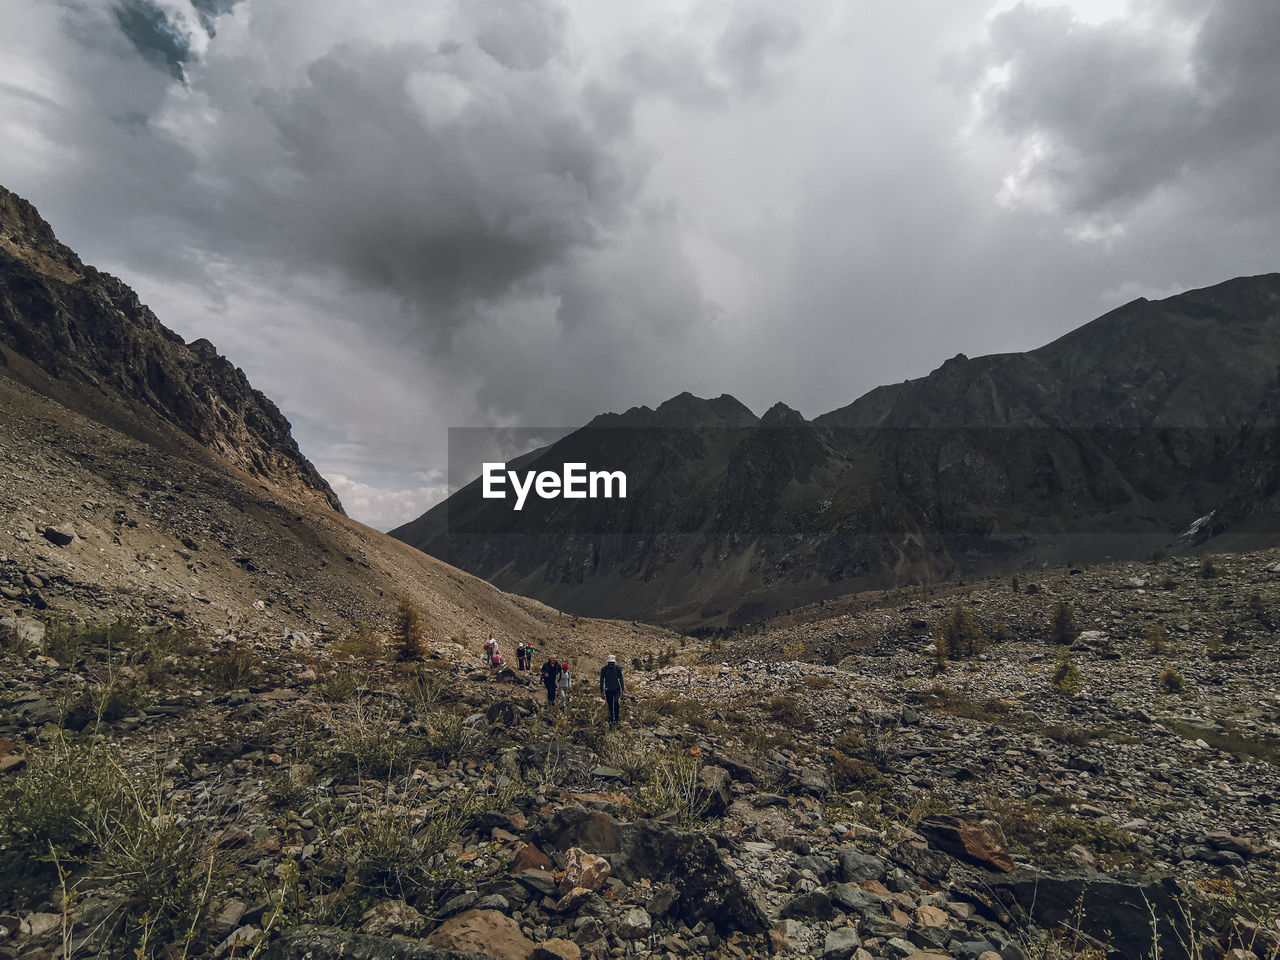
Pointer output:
401, 216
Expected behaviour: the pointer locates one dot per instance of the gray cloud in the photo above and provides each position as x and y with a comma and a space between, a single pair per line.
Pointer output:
752, 45
440, 174
401, 217
1109, 114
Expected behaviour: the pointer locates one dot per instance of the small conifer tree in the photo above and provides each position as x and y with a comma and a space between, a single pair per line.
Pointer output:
1064, 628
958, 637
410, 644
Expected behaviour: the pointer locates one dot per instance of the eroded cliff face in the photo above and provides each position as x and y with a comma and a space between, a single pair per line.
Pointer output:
83, 338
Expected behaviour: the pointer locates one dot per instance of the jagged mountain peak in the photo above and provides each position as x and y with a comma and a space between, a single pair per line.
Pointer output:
781, 415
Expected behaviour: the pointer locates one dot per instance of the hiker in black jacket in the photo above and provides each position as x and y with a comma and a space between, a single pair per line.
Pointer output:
612, 687
550, 677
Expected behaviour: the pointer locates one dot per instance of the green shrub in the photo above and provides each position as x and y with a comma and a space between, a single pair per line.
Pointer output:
1066, 676
1157, 637
787, 710
363, 741
426, 689
1258, 609
1000, 633
233, 667
371, 740
337, 685
77, 809
390, 851
63, 641
111, 702
362, 643
853, 773
1076, 736
670, 787
1170, 680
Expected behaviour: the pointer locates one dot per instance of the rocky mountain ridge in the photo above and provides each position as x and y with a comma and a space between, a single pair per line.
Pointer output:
83, 338
1153, 427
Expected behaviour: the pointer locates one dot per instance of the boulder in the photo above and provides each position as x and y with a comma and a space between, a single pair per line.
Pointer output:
572, 900
586, 870
713, 790
556, 949
483, 931
392, 916
20, 632
856, 866
63, 535
1118, 910
815, 904
919, 859
706, 888
841, 944
966, 839
529, 857
634, 924
37, 925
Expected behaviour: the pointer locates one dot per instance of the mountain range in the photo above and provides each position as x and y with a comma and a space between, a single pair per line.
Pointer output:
1152, 428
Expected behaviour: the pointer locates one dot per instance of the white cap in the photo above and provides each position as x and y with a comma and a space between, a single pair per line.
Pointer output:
612, 658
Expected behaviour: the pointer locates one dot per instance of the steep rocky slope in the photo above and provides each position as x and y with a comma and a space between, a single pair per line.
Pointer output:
1153, 427
81, 337
143, 477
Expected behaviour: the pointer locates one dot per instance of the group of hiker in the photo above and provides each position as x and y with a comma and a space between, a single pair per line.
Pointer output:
557, 678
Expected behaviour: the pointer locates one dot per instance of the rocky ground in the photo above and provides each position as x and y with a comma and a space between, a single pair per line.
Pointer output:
822, 786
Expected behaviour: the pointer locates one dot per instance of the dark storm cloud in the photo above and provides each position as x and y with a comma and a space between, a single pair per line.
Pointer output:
153, 35
1110, 113
400, 217
440, 173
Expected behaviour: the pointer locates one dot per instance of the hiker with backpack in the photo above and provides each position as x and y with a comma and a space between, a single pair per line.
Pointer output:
612, 687
520, 655
490, 648
529, 651
564, 682
550, 678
